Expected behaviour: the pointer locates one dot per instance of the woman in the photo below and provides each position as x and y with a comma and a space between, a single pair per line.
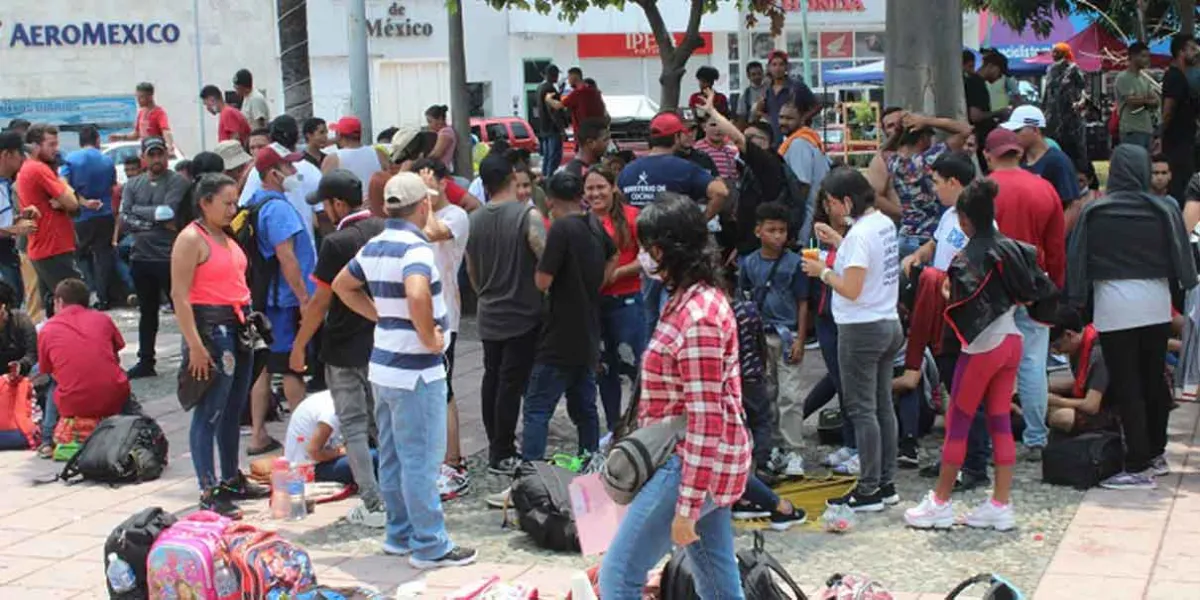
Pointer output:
622, 320
695, 376
447, 139
981, 303
864, 281
211, 302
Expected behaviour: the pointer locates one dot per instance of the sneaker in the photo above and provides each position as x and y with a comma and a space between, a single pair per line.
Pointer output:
1130, 481
375, 519
782, 522
452, 483
887, 492
131, 301
990, 515
456, 557
499, 499
1031, 454
141, 370
394, 550
45, 451
907, 457
859, 501
778, 461
505, 466
241, 488
851, 467
811, 343
930, 514
745, 510
931, 471
838, 457
969, 480
217, 500
1159, 466
794, 466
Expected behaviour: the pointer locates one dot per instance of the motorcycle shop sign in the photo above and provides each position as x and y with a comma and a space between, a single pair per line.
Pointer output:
397, 24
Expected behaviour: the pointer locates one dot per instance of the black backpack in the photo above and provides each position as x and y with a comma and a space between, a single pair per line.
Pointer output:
122, 449
131, 542
261, 273
761, 576
543, 503
1082, 461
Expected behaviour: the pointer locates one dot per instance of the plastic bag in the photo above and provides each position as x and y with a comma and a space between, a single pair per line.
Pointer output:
839, 519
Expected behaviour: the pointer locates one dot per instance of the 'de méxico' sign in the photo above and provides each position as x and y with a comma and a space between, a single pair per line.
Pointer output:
97, 33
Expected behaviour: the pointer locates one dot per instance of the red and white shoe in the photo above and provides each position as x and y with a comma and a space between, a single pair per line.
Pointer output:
453, 482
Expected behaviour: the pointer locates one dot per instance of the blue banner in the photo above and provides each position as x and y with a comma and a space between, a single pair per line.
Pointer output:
108, 113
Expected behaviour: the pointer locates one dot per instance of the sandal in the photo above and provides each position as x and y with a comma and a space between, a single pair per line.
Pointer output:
271, 446
45, 451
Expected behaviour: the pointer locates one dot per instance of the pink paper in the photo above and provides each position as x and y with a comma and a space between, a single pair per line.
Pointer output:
596, 515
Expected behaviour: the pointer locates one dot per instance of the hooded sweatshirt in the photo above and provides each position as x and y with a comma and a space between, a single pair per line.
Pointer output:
1129, 234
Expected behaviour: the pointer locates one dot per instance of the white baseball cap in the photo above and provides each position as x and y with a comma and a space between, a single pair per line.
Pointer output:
405, 189
1025, 116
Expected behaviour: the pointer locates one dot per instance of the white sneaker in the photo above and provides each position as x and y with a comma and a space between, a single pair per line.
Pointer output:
794, 466
499, 499
395, 550
929, 514
452, 483
850, 466
990, 516
778, 461
838, 457
361, 515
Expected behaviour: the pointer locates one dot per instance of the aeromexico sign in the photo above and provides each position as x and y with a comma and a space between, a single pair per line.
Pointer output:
397, 24
88, 33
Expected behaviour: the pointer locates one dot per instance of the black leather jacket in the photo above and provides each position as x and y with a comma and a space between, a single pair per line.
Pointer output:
989, 276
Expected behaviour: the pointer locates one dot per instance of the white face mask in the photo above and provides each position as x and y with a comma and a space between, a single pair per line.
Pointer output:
291, 183
649, 265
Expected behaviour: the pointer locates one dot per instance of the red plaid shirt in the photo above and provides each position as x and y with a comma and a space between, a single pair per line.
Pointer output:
690, 367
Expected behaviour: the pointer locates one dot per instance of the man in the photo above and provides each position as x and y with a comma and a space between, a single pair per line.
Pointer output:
1160, 178
1129, 257
285, 132
782, 90
706, 78
351, 154
1078, 406
348, 337
753, 92
285, 246
550, 122
578, 259
661, 170
238, 162
1064, 94
980, 112
148, 206
231, 123
316, 138
1050, 163
448, 229
259, 138
151, 119
804, 153
51, 247
1136, 99
584, 101
591, 143
254, 104
1003, 93
1177, 132
394, 280
507, 239
13, 221
18, 126
687, 147
902, 174
1029, 210
93, 176
715, 144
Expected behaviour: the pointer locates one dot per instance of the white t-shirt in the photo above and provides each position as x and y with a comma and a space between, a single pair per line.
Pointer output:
870, 244
449, 256
993, 335
950, 239
317, 408
1130, 303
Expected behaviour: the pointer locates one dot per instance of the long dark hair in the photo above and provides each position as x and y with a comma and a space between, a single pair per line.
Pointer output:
616, 209
204, 162
673, 223
977, 204
844, 182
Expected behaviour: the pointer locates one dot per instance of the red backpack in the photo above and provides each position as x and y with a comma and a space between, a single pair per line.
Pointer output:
268, 566
16, 414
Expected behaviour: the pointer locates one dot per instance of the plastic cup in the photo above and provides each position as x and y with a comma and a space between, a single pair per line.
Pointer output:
811, 253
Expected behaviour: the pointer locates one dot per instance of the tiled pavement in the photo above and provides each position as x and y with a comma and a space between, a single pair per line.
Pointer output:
1120, 545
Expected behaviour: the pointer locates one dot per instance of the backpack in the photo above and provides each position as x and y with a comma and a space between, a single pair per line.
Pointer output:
998, 588
854, 587
188, 556
543, 503
122, 449
1082, 461
268, 565
131, 542
17, 430
261, 273
800, 222
761, 576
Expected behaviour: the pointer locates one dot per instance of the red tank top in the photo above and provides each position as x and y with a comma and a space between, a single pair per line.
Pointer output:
220, 280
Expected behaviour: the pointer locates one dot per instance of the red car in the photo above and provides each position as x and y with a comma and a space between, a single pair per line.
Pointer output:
519, 132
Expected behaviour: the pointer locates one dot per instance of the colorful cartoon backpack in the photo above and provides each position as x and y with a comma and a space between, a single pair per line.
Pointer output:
267, 565
188, 561
854, 587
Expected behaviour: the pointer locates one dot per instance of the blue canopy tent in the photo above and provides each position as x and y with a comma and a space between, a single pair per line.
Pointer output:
869, 73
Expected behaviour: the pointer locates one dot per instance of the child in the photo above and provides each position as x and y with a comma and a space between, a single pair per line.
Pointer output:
314, 435
773, 278
1078, 406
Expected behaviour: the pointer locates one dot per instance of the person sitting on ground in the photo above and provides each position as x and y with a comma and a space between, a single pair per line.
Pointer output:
18, 336
314, 435
1078, 406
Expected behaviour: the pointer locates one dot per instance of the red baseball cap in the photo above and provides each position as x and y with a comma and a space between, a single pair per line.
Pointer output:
665, 124
272, 156
347, 126
1002, 141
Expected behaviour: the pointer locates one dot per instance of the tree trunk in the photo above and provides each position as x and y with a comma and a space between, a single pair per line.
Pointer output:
1187, 15
674, 58
923, 73
460, 119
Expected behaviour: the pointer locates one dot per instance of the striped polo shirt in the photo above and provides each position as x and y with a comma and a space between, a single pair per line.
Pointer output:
399, 360
724, 157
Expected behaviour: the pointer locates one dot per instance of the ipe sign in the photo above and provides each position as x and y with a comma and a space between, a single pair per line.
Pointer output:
630, 45
98, 33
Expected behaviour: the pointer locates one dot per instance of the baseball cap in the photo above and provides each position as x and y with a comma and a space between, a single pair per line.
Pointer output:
665, 124
1024, 116
339, 184
1002, 141
493, 170
404, 189
11, 140
234, 155
153, 143
272, 156
347, 127
401, 139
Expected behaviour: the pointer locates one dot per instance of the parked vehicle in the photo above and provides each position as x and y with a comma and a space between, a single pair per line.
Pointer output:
517, 131
119, 152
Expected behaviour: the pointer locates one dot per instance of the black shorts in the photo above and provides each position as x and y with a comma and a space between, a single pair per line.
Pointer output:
277, 362
449, 359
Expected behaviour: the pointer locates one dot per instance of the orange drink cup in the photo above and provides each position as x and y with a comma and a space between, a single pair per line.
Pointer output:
811, 253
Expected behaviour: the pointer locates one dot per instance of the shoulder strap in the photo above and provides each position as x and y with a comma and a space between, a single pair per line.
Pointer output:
960, 588
628, 422
773, 564
760, 291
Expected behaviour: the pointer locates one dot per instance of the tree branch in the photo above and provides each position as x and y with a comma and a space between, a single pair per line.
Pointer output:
666, 44
691, 39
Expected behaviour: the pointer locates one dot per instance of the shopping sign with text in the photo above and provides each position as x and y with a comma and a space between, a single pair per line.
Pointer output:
629, 45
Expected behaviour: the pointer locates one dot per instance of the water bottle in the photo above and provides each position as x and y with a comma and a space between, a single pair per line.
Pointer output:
280, 475
226, 582
297, 508
120, 574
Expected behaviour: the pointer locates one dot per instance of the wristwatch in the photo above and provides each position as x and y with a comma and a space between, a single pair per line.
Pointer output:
825, 275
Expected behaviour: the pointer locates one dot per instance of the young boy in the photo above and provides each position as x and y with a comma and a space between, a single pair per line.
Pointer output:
1078, 406
779, 288
951, 173
1160, 176
314, 435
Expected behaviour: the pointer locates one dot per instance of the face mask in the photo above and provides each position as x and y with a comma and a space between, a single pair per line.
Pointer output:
649, 265
291, 183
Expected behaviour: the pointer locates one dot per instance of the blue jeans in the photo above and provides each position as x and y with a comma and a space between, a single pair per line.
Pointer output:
760, 494
338, 470
909, 244
644, 537
622, 322
551, 149
547, 383
412, 444
218, 415
908, 414
1032, 379
124, 248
